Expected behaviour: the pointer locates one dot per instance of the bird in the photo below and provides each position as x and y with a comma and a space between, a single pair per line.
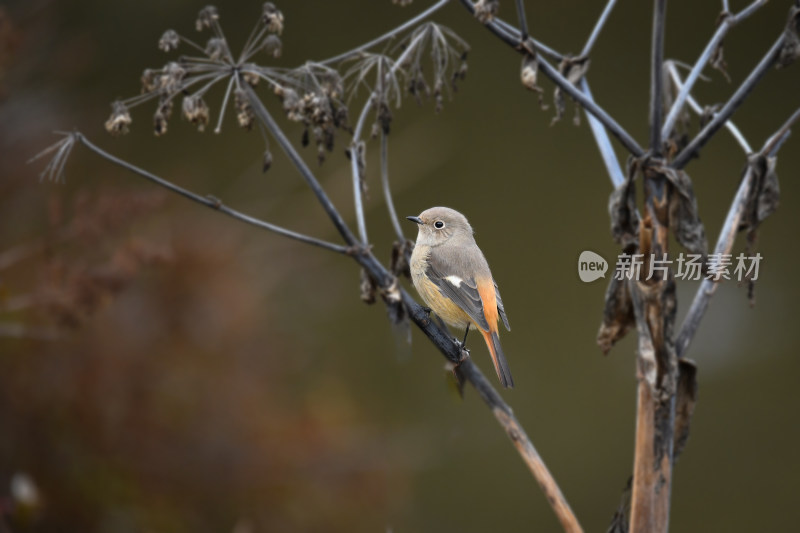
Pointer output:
453, 278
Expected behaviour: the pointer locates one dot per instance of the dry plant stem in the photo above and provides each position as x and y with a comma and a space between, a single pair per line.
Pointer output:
211, 202
652, 467
357, 196
727, 236
730, 106
734, 131
601, 22
727, 23
656, 76
523, 20
524, 446
510, 36
387, 191
603, 142
388, 35
510, 31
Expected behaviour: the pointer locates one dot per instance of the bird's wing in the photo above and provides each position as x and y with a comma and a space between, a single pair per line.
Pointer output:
461, 289
500, 308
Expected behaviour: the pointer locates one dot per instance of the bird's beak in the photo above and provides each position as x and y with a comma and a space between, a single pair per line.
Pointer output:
415, 219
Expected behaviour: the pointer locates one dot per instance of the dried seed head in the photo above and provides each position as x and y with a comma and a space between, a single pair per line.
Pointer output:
150, 80
244, 111
216, 48
196, 111
169, 41
206, 18
272, 18
120, 119
486, 10
272, 45
250, 77
171, 78
161, 116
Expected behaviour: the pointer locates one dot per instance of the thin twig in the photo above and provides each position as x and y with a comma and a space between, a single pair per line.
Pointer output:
511, 37
727, 236
388, 35
603, 142
601, 22
213, 203
727, 23
657, 76
672, 69
730, 106
523, 21
387, 191
510, 32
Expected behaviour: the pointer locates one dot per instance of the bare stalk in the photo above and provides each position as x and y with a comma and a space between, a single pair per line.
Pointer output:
387, 191
730, 106
727, 236
208, 201
511, 37
601, 22
656, 76
523, 20
727, 23
603, 142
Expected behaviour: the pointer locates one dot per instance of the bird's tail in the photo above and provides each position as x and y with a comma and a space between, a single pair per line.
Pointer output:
498, 358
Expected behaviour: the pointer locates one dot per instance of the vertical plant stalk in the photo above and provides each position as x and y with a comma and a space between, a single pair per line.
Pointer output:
387, 190
657, 76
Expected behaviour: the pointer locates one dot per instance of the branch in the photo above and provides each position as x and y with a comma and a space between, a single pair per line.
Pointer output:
207, 201
730, 106
523, 21
657, 76
388, 35
601, 22
735, 132
603, 142
510, 36
727, 236
727, 23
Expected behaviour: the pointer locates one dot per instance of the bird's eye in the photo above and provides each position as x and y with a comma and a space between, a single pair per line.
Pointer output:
438, 224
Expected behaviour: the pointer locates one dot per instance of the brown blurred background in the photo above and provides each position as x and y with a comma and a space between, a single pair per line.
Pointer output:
165, 368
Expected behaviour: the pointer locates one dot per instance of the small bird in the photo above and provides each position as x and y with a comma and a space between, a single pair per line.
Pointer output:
451, 274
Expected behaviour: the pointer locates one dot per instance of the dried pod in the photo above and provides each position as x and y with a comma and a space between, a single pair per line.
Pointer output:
486, 10
244, 110
272, 45
216, 48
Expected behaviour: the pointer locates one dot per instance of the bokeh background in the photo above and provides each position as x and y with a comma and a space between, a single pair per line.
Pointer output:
165, 368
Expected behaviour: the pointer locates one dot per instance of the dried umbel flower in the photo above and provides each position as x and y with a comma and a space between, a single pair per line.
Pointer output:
171, 77
120, 119
272, 45
244, 110
250, 78
486, 10
196, 111
149, 80
216, 48
529, 73
169, 41
273, 18
207, 17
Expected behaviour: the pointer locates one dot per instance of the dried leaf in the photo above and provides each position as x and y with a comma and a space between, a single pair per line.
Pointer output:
368, 288
618, 316
683, 215
572, 68
401, 255
685, 400
622, 211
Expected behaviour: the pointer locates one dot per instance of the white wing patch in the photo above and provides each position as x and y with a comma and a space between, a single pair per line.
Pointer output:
455, 280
